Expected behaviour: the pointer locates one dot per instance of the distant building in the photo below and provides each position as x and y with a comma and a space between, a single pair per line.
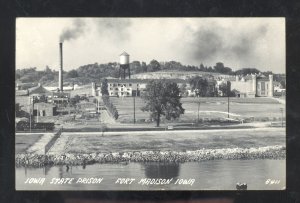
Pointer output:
38, 91
252, 85
44, 109
59, 98
131, 87
25, 86
87, 107
96, 90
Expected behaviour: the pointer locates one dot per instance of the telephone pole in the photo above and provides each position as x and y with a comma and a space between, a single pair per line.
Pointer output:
281, 109
228, 98
198, 110
134, 106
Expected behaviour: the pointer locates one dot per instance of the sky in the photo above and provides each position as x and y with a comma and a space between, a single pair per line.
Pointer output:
237, 42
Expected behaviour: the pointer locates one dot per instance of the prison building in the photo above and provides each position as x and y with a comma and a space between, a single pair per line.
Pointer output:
38, 91
59, 97
25, 86
132, 87
252, 85
87, 107
44, 109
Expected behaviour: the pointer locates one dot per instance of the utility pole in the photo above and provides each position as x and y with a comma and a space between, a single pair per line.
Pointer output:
228, 98
281, 109
134, 106
37, 114
198, 110
30, 113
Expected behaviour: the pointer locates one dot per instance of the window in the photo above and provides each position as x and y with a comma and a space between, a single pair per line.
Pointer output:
130, 84
116, 89
119, 85
263, 86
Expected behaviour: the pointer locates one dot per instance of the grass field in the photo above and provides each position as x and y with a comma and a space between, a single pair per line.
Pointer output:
211, 107
174, 141
24, 141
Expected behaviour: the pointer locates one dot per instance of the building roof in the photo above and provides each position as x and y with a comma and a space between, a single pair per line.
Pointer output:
142, 80
39, 90
21, 92
263, 79
25, 86
85, 105
246, 77
43, 104
124, 54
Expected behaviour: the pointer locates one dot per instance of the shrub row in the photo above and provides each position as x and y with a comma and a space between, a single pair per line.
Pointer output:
24, 125
110, 107
268, 152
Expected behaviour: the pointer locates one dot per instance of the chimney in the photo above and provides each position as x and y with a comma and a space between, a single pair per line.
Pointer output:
60, 77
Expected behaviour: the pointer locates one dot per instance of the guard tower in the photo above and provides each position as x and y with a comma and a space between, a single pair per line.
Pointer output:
124, 65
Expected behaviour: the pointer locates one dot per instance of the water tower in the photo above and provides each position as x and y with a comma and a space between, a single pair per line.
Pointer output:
124, 65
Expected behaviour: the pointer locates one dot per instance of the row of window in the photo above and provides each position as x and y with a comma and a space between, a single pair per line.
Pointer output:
120, 94
122, 89
120, 85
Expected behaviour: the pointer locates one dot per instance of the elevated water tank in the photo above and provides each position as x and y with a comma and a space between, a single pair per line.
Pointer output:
124, 59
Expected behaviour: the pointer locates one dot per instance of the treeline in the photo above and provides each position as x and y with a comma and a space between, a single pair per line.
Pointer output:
31, 75
95, 72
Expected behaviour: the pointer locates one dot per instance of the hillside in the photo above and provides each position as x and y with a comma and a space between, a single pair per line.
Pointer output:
95, 72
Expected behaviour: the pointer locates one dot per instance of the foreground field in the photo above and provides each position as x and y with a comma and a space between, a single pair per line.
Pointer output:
165, 141
24, 141
211, 107
160, 146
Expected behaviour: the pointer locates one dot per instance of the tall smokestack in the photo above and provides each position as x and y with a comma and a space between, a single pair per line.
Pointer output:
60, 77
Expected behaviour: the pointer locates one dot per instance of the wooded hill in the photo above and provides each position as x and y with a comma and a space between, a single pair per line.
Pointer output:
95, 72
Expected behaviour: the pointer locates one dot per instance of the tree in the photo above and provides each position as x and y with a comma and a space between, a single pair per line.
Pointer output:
153, 66
225, 88
162, 98
74, 100
202, 68
48, 70
219, 68
246, 71
199, 85
104, 87
144, 67
135, 67
183, 89
72, 74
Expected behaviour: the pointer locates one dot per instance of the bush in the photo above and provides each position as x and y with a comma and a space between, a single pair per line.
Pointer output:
110, 107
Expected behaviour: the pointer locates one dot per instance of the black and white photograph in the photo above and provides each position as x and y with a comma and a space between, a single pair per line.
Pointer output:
144, 103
